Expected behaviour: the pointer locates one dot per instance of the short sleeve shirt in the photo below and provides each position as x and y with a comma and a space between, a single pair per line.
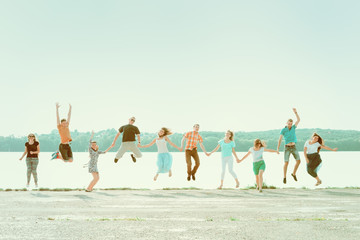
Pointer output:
193, 138
226, 148
31, 148
129, 132
311, 148
289, 134
257, 155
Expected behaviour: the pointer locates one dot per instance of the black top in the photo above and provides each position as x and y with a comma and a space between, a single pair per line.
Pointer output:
129, 131
31, 148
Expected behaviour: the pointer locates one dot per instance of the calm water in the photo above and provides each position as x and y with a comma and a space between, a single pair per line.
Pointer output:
339, 169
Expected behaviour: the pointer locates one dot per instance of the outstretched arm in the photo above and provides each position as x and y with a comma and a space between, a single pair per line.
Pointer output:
171, 143
69, 114
215, 149
147, 145
271, 150
297, 117
116, 137
248, 153
278, 146
327, 148
57, 114
108, 149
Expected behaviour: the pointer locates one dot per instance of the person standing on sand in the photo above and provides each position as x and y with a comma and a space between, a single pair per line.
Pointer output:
192, 139
311, 152
164, 161
290, 145
94, 156
227, 149
32, 150
258, 161
128, 141
63, 127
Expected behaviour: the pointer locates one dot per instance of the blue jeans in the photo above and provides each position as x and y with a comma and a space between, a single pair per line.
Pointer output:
291, 150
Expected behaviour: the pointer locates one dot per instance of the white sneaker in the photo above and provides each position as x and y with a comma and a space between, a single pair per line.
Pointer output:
36, 187
27, 187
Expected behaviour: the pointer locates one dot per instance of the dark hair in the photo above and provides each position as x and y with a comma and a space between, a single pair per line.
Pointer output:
63, 120
320, 140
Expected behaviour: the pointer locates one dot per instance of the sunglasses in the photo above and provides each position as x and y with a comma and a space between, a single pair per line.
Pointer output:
31, 136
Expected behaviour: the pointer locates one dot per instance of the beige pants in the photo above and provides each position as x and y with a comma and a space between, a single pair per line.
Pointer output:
128, 146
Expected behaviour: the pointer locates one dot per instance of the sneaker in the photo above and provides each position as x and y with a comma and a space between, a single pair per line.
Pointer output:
294, 176
193, 177
133, 158
188, 177
36, 187
27, 187
284, 180
116, 160
55, 155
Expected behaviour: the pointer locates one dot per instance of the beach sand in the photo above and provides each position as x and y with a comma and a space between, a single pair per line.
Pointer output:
181, 214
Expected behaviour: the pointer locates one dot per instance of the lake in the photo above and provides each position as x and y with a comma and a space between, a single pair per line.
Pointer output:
339, 169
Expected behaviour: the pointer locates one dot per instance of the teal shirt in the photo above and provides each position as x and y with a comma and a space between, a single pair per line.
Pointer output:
226, 148
289, 135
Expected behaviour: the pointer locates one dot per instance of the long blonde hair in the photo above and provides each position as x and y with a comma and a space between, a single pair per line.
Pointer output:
31, 134
167, 132
231, 135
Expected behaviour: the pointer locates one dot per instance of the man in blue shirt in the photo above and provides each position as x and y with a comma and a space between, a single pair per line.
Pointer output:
290, 145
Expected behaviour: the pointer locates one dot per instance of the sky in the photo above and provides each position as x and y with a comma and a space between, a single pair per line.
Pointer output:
239, 65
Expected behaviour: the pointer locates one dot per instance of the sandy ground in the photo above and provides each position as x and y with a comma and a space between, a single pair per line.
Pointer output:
181, 214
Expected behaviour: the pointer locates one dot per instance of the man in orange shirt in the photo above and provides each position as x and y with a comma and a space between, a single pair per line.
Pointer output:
65, 137
192, 139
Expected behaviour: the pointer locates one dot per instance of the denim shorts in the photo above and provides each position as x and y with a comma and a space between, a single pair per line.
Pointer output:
291, 150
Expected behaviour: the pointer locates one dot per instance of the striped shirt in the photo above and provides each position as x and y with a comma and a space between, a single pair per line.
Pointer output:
192, 140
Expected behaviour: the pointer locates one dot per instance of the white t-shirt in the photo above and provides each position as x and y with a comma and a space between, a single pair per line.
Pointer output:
311, 148
257, 155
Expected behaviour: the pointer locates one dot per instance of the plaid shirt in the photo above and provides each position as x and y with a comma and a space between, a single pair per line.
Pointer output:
192, 139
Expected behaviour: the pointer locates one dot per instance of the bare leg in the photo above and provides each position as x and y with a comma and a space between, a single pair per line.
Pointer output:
221, 184
156, 176
257, 182
296, 166
170, 173
318, 181
237, 183
286, 164
94, 181
261, 172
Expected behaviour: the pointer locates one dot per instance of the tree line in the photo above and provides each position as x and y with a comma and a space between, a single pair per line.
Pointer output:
345, 140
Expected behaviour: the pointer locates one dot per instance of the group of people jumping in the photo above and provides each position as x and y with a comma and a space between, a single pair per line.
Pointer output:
131, 141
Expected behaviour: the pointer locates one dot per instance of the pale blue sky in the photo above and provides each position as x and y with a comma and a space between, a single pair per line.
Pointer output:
237, 65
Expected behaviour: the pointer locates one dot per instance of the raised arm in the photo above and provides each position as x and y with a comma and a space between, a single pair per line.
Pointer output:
278, 146
172, 144
57, 114
69, 114
327, 148
116, 137
297, 117
147, 145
